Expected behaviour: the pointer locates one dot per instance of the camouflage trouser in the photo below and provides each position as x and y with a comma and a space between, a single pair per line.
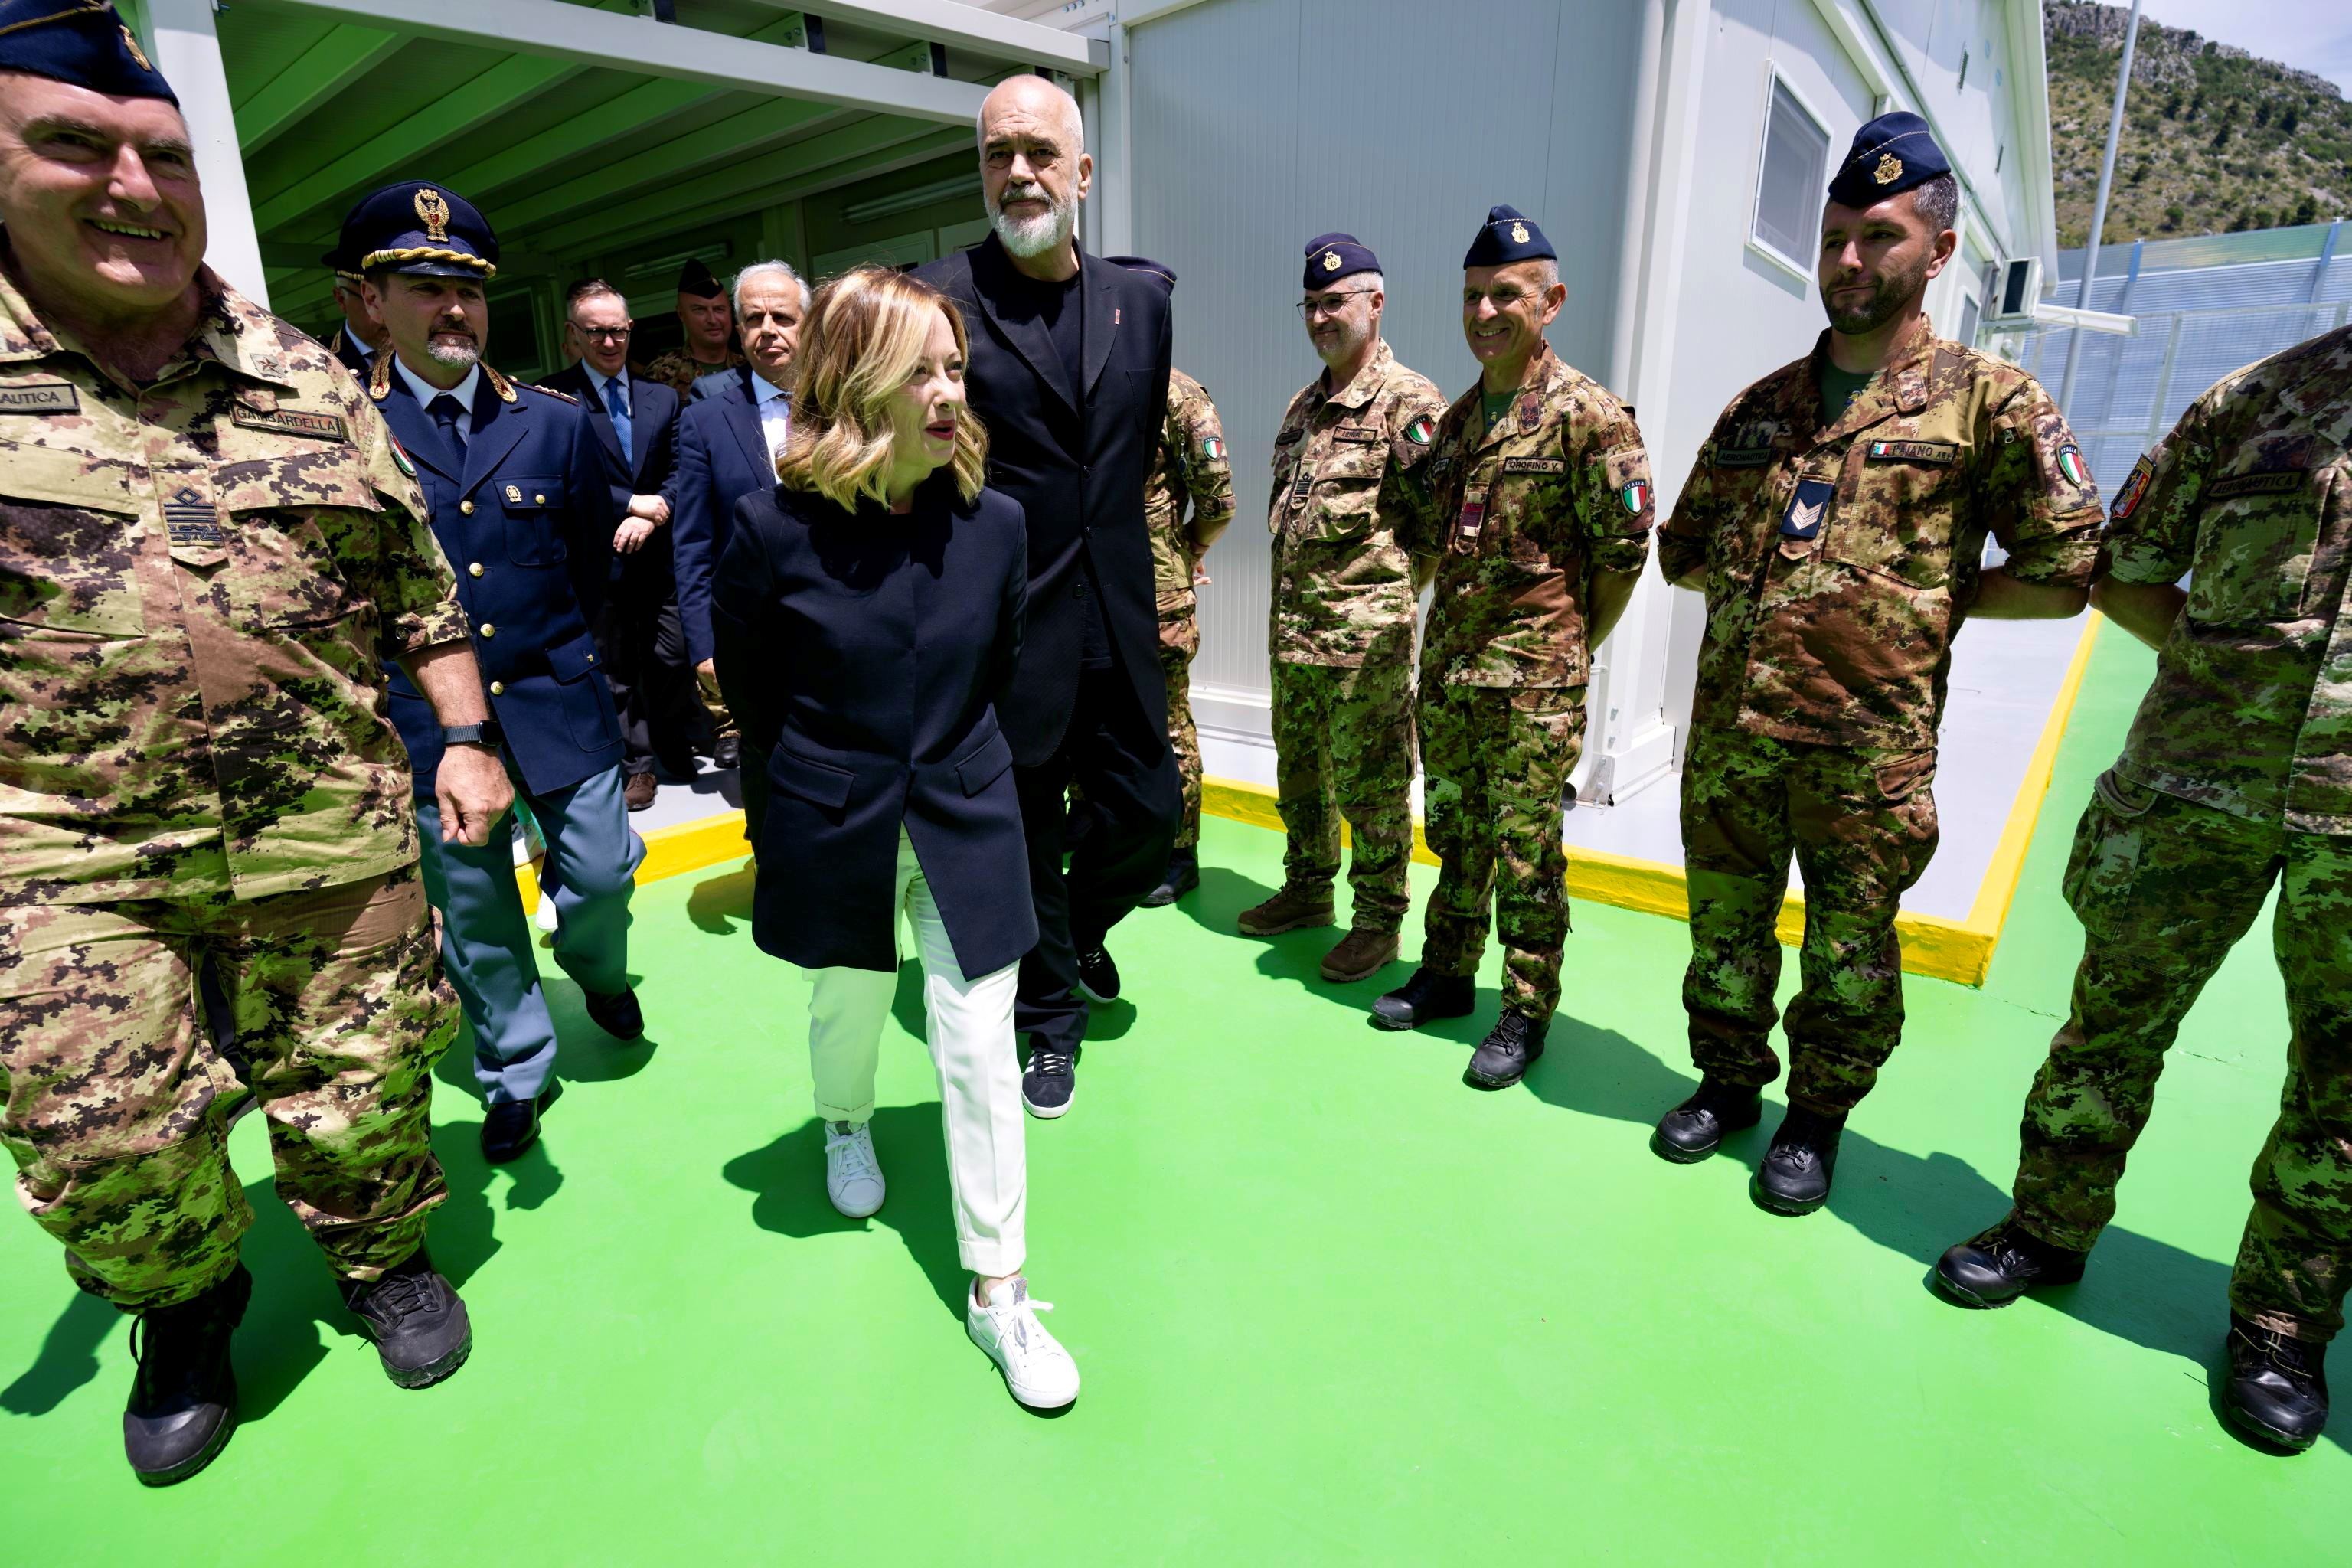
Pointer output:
116, 1097
1860, 825
1179, 640
1343, 747
1495, 763
2164, 888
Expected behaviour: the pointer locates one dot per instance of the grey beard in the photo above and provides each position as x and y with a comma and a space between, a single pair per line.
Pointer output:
453, 355
1034, 236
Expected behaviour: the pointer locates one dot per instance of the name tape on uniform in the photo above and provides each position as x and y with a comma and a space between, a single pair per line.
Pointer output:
292, 422
1535, 465
1742, 456
1916, 451
2283, 481
40, 397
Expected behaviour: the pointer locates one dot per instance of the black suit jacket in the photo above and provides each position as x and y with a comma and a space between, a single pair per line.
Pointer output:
722, 456
1075, 458
357, 363
863, 655
644, 469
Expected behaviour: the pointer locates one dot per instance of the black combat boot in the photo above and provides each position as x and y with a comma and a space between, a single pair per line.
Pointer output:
1996, 1267
2278, 1385
1506, 1053
184, 1397
420, 1328
1794, 1178
1695, 1128
1184, 876
1427, 995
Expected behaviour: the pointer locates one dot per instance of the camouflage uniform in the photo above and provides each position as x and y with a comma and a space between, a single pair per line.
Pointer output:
678, 370
1340, 635
196, 588
1192, 464
1840, 563
2237, 775
1521, 516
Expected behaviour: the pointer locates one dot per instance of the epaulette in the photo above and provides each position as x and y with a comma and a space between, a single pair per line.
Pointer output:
534, 387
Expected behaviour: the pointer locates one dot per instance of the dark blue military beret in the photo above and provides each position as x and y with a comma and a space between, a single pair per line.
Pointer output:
419, 229
1160, 272
1331, 257
1506, 237
82, 42
1890, 154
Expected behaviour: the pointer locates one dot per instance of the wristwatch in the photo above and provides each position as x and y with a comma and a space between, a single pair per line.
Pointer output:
486, 733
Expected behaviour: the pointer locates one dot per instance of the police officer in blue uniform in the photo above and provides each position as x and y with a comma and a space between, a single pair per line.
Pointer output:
519, 503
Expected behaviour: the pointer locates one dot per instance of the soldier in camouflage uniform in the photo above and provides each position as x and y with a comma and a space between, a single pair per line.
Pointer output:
703, 310
207, 544
2237, 777
1191, 465
1834, 520
1340, 631
1538, 510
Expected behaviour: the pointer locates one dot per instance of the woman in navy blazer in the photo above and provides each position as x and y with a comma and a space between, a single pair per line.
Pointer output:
866, 615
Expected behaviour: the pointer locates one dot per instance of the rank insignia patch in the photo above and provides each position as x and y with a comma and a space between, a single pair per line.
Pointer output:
2127, 499
189, 519
1806, 508
2071, 464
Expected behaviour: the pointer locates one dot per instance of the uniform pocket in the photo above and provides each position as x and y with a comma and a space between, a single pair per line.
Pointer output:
70, 535
531, 504
285, 514
2254, 547
2105, 861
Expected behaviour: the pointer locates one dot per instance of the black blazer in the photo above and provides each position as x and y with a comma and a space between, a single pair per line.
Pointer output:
862, 654
645, 468
722, 456
1077, 460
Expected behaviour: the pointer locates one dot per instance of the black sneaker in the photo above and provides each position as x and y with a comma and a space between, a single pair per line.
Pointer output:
2278, 1385
420, 1328
182, 1403
1184, 876
1098, 976
1049, 1082
1997, 1266
1794, 1178
1427, 995
1695, 1128
1506, 1053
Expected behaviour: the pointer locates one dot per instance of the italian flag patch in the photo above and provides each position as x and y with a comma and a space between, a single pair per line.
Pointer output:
1213, 447
1636, 496
1420, 432
399, 456
2071, 464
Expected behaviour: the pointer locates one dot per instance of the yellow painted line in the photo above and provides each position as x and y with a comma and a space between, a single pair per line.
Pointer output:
1932, 945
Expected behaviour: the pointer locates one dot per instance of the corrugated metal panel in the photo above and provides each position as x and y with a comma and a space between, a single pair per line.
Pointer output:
1260, 123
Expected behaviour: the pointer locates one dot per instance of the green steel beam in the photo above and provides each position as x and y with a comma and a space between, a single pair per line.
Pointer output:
324, 72
732, 139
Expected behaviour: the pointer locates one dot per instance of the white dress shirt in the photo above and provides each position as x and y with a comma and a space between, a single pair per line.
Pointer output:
463, 391
776, 405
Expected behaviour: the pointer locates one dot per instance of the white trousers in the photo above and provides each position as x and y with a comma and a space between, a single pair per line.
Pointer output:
972, 1041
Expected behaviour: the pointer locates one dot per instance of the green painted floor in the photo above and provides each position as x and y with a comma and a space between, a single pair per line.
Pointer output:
1331, 1305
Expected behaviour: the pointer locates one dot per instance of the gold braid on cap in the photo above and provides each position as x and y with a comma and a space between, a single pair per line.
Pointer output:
427, 253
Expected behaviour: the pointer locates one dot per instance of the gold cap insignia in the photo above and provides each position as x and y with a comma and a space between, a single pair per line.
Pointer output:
434, 211
1890, 169
1519, 234
1331, 261
136, 52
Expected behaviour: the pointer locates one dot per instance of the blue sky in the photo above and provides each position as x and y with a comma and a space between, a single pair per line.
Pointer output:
2310, 34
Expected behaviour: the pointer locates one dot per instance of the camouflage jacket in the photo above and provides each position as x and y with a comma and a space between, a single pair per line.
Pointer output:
1840, 561
2250, 709
1192, 463
678, 370
1520, 517
1342, 577
198, 585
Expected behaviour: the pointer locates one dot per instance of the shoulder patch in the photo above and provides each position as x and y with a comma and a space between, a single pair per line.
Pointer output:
2071, 464
1212, 447
2135, 486
1421, 431
559, 397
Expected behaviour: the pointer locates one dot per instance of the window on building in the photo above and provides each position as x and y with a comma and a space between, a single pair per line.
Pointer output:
1789, 186
1969, 316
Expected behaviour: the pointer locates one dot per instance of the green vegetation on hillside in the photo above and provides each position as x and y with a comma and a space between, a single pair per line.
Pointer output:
2213, 140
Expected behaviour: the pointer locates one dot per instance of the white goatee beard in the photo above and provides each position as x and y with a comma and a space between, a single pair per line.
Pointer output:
453, 354
1034, 236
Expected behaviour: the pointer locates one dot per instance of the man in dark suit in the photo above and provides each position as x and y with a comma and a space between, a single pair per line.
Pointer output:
523, 510
1069, 372
727, 439
645, 645
361, 335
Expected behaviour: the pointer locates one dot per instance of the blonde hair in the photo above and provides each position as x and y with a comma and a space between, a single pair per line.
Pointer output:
865, 339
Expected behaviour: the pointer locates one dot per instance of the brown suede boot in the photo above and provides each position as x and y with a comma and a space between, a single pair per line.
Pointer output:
1288, 909
1359, 955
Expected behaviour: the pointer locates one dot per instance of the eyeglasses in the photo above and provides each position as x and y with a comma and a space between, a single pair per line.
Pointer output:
602, 333
1329, 304
1502, 302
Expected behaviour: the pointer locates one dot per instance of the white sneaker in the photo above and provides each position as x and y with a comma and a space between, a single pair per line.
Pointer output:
1036, 1368
545, 917
853, 1176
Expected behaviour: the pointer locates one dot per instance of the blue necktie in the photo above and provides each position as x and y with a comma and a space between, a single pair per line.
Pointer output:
446, 412
618, 406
